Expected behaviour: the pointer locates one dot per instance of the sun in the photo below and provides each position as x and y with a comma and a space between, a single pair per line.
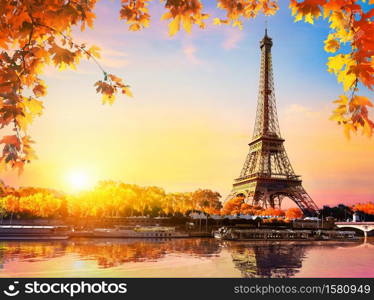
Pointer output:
79, 180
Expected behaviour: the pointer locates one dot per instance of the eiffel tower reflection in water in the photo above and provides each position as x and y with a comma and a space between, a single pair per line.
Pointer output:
279, 260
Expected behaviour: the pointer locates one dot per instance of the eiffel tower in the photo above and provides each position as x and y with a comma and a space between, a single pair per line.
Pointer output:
267, 176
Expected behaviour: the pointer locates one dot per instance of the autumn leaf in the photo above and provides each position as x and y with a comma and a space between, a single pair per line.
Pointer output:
336, 63
174, 26
343, 100
217, 21
166, 16
353, 115
135, 27
367, 128
307, 9
108, 99
110, 86
34, 106
105, 89
347, 130
135, 13
342, 65
39, 90
331, 44
94, 51
363, 101
127, 91
11, 140
238, 24
23, 121
187, 23
62, 57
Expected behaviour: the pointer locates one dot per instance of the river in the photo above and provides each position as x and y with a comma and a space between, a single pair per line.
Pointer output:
194, 257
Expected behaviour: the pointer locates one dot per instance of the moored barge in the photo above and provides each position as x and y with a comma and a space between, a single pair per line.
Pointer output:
34, 232
139, 232
228, 233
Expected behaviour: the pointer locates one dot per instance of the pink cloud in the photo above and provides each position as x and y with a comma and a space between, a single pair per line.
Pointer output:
232, 39
190, 53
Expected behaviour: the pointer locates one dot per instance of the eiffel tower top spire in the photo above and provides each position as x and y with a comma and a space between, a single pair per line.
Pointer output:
266, 117
266, 26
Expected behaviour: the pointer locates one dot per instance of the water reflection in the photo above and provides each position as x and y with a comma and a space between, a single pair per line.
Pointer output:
269, 260
279, 259
249, 259
107, 252
117, 252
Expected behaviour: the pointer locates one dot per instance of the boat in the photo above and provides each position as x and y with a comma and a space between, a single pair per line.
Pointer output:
240, 234
34, 232
221, 233
139, 232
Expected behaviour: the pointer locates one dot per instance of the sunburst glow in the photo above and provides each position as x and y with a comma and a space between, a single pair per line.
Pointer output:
79, 180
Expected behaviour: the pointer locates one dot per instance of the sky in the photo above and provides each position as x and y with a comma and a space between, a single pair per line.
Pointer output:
193, 110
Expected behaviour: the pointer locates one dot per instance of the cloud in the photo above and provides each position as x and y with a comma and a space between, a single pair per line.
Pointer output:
189, 52
51, 72
232, 38
297, 109
113, 58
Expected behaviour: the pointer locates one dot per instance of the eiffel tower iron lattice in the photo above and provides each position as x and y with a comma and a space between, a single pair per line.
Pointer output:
267, 176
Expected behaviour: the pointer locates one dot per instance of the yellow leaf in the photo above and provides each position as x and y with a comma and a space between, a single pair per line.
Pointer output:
24, 121
238, 24
298, 17
347, 130
108, 99
337, 117
339, 23
331, 44
94, 50
34, 106
346, 79
187, 24
135, 27
309, 18
216, 21
174, 25
336, 63
343, 100
342, 109
166, 16
367, 130
127, 91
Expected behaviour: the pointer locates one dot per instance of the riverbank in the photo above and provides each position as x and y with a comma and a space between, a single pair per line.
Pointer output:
37, 232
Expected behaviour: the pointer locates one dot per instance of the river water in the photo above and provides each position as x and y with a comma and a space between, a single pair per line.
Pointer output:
195, 257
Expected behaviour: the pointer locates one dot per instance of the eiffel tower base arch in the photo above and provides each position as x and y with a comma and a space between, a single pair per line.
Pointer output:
269, 193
